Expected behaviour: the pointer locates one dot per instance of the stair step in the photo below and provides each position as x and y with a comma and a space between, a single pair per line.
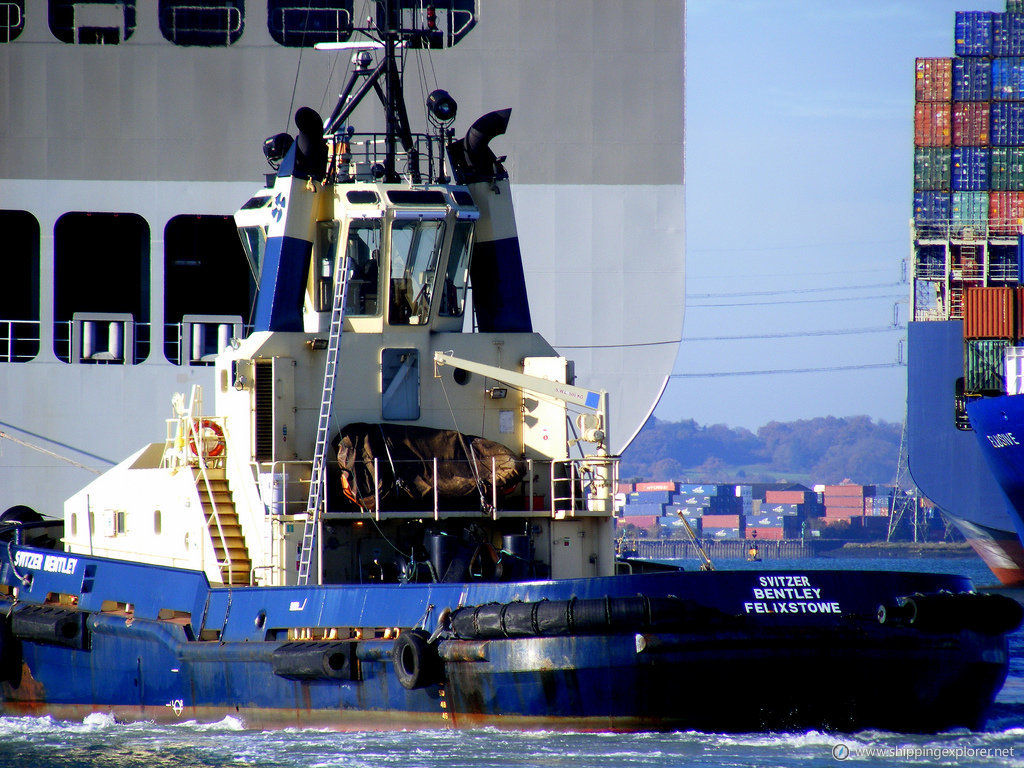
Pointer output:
223, 513
219, 498
237, 550
217, 503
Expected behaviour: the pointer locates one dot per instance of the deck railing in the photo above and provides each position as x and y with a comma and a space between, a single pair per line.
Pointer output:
571, 486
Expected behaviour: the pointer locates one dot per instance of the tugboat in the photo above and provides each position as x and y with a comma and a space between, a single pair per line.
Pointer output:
399, 512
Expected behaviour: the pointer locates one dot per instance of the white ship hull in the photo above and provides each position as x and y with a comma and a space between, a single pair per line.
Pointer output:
157, 130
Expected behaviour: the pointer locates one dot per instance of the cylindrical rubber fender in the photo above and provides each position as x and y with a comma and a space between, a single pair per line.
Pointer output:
628, 612
51, 625
313, 661
949, 612
552, 618
898, 613
588, 615
416, 662
487, 620
519, 619
671, 611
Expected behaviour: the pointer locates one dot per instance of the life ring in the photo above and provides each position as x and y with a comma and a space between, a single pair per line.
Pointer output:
416, 661
198, 427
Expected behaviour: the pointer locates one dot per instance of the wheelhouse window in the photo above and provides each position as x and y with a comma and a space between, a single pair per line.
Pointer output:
12, 19
98, 22
362, 245
215, 23
19, 290
304, 23
415, 250
254, 246
453, 292
206, 282
101, 287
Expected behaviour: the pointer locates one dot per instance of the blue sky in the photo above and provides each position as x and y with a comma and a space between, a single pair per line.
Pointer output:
799, 155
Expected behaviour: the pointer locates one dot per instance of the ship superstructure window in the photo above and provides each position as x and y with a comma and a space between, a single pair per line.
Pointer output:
326, 254
415, 250
254, 244
400, 384
216, 23
207, 287
19, 290
363, 245
92, 22
12, 19
456, 276
308, 22
101, 287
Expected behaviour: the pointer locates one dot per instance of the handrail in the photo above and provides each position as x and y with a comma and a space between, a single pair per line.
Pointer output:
575, 485
352, 156
194, 438
928, 228
185, 448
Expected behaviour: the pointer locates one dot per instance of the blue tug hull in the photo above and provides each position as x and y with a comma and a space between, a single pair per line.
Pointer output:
744, 650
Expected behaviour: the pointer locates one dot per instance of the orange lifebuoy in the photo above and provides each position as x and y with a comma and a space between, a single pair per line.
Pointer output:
198, 426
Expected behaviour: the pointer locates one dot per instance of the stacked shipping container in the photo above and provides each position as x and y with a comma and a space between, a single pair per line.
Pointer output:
969, 128
717, 511
993, 322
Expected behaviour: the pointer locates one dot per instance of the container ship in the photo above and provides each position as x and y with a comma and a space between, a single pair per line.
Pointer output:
393, 506
966, 278
128, 129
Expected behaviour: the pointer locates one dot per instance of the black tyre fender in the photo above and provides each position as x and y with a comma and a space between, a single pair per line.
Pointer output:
416, 662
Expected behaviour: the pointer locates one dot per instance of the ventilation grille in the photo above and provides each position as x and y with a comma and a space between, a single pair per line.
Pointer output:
264, 411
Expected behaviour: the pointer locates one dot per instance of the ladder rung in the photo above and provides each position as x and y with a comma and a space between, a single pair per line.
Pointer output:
316, 485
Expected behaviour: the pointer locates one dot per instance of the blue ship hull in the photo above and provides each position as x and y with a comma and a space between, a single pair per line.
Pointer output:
713, 650
999, 426
947, 464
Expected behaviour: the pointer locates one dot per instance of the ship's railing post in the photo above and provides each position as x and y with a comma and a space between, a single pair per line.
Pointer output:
529, 484
437, 492
376, 488
494, 487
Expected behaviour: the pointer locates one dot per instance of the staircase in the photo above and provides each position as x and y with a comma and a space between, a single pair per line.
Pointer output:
228, 543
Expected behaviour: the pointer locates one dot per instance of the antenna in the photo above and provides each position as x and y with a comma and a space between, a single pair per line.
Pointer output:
399, 25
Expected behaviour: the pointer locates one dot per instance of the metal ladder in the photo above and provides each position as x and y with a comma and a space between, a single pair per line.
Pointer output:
316, 479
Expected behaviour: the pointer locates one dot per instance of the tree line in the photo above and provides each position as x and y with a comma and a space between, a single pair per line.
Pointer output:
826, 450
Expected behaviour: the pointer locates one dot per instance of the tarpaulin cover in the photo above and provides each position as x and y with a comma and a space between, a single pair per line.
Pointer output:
405, 464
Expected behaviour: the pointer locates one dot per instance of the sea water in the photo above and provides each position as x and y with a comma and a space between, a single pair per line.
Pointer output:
40, 742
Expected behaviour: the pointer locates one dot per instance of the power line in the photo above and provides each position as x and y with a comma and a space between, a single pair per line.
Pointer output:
798, 301
798, 334
616, 346
718, 374
802, 247
746, 275
743, 337
787, 291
